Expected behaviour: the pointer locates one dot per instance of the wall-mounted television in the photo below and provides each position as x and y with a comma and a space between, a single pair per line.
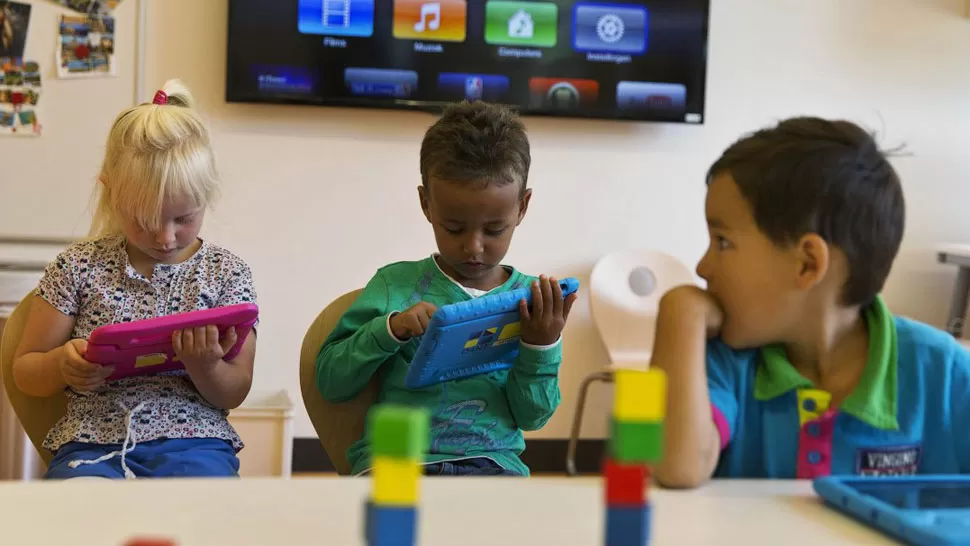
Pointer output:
640, 60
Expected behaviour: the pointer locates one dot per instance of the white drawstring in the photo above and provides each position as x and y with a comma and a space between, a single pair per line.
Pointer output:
124, 451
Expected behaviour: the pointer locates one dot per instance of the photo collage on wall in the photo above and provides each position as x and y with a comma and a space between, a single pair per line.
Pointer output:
97, 7
14, 20
19, 79
20, 89
86, 46
85, 49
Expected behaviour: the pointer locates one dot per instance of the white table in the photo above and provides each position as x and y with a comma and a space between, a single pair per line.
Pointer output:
454, 512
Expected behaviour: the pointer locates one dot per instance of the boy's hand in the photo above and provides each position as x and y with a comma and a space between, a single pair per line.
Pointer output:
78, 373
694, 303
414, 321
200, 348
543, 325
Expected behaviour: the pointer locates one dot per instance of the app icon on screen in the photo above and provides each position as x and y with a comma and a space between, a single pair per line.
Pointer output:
439, 20
487, 87
337, 17
283, 80
474, 88
613, 29
380, 82
562, 93
652, 97
521, 23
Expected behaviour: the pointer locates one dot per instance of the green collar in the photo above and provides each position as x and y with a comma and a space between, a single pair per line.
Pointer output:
874, 399
459, 293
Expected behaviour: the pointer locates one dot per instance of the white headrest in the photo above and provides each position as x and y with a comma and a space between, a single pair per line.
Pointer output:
625, 291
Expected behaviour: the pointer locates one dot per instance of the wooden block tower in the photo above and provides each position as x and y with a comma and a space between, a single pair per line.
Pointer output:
635, 445
399, 439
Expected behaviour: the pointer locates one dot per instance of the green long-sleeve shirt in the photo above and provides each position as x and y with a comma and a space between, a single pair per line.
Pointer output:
481, 416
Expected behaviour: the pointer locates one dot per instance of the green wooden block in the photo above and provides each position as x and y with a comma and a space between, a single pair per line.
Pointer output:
636, 442
399, 431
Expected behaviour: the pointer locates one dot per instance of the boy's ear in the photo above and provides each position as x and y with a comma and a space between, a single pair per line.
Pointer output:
424, 197
524, 205
813, 260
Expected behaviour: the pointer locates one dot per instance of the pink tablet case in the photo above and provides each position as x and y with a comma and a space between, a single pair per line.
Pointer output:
144, 347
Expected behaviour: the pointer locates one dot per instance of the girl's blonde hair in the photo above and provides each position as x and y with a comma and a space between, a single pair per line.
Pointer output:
156, 151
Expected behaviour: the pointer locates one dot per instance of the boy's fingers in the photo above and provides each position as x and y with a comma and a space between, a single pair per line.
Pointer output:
414, 325
211, 336
547, 302
524, 310
537, 299
556, 296
177, 341
568, 305
424, 322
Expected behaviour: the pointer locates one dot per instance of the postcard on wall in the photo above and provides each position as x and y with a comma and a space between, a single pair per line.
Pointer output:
97, 7
14, 20
20, 89
86, 46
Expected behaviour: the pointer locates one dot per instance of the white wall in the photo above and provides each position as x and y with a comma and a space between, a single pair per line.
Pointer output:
900, 66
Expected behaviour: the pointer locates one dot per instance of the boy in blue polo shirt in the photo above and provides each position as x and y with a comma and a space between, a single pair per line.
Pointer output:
790, 365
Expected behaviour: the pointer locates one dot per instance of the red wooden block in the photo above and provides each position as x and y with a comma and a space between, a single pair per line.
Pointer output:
626, 483
150, 542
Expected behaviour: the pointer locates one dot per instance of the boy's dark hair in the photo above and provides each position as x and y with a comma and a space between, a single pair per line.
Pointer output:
476, 143
811, 175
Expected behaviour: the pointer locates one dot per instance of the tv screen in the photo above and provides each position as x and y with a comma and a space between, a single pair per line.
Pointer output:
616, 59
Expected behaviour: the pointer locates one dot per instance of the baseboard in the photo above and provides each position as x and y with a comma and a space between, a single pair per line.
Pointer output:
542, 456
309, 456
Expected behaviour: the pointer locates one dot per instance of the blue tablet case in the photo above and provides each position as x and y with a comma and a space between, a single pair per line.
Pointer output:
472, 337
931, 510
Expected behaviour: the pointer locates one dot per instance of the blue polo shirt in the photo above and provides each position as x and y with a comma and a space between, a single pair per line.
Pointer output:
909, 414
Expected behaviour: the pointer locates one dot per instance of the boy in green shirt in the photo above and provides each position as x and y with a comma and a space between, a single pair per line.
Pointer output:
474, 170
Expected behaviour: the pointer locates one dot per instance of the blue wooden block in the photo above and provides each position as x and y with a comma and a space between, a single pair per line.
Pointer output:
628, 525
390, 525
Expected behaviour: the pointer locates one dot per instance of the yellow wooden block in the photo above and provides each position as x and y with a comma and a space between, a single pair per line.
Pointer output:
639, 395
812, 403
396, 481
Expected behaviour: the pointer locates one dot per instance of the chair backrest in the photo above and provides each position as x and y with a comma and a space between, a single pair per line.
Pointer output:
37, 415
337, 425
625, 291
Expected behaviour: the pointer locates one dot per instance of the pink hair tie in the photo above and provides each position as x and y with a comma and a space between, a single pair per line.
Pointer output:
160, 98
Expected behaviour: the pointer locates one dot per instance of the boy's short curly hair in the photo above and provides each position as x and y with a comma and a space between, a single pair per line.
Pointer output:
812, 175
476, 143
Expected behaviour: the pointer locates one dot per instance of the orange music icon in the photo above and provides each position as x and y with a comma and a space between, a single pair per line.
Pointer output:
440, 20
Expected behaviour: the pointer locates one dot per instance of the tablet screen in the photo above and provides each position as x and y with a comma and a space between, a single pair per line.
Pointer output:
916, 495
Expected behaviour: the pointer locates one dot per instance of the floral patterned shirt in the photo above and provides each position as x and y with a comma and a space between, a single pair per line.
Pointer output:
94, 283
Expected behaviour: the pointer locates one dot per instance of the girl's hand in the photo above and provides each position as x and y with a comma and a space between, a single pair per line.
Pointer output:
200, 348
78, 373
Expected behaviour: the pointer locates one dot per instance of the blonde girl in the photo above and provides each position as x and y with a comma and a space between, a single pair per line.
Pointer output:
145, 259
